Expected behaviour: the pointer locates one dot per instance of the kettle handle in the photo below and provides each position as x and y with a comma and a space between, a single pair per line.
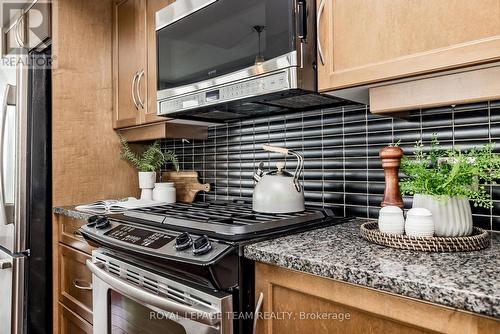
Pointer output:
275, 149
285, 151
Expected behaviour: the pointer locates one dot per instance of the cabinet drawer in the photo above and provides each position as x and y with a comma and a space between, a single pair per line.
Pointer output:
75, 282
71, 323
69, 236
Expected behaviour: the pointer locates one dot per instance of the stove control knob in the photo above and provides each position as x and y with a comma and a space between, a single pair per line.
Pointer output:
202, 245
102, 223
183, 241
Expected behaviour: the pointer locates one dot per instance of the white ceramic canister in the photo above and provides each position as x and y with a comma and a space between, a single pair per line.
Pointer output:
164, 192
419, 223
391, 220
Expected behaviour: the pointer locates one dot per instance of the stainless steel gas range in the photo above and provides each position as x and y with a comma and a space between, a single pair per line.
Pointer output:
180, 268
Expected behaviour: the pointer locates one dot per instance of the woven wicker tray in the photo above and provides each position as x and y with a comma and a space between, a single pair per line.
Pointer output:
479, 239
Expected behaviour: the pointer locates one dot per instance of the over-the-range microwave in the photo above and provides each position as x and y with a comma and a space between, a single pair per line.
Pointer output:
220, 60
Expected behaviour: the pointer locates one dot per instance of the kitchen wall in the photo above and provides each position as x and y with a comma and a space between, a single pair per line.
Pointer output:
340, 146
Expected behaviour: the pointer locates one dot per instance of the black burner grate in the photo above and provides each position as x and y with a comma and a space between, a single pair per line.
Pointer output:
234, 213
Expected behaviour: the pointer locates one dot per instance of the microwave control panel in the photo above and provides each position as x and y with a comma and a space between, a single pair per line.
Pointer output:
249, 88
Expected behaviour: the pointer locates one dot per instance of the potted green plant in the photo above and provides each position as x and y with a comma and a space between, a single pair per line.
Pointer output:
147, 164
445, 181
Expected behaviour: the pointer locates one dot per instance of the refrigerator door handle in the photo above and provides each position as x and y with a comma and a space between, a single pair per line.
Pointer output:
7, 217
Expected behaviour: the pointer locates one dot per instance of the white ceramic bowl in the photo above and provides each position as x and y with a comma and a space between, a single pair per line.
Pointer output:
419, 223
391, 220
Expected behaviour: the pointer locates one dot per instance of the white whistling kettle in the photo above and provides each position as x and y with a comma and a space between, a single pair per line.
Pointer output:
279, 191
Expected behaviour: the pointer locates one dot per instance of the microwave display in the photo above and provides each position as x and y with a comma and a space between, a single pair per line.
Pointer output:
224, 37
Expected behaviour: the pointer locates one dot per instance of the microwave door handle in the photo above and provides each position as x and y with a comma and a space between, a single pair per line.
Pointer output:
9, 99
148, 298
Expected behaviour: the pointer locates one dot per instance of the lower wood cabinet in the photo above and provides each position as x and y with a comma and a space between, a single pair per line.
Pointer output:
71, 323
75, 282
297, 303
72, 279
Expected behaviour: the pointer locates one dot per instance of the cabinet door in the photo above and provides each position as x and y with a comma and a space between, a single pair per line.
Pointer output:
296, 303
152, 7
75, 283
367, 41
129, 62
70, 323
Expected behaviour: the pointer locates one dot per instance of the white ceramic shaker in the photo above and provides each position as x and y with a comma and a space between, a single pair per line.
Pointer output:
164, 192
419, 223
391, 220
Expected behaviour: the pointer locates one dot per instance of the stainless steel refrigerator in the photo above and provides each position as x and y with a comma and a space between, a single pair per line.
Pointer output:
25, 197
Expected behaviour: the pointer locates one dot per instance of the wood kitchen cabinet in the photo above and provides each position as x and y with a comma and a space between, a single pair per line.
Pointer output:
73, 283
134, 75
302, 303
130, 64
371, 41
71, 323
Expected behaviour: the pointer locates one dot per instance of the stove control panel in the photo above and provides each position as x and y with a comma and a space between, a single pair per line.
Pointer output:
139, 236
164, 243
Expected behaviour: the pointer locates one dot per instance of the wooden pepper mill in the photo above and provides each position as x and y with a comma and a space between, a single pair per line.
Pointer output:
391, 160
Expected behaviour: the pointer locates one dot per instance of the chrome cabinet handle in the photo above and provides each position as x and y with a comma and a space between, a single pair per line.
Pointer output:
257, 310
8, 99
138, 87
82, 285
134, 89
148, 298
318, 22
5, 264
17, 32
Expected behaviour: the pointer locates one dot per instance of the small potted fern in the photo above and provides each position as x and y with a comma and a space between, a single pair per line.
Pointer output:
444, 181
147, 164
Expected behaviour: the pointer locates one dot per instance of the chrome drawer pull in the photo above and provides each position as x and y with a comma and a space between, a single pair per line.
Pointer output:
82, 285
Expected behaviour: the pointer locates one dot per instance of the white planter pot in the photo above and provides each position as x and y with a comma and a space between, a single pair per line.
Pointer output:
452, 216
146, 184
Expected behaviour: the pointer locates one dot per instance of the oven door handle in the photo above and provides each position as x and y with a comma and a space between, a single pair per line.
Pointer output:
148, 298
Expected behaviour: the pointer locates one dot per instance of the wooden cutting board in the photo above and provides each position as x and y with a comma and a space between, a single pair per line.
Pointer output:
187, 185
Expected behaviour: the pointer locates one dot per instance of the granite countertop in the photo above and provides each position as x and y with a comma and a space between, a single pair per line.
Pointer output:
468, 281
71, 212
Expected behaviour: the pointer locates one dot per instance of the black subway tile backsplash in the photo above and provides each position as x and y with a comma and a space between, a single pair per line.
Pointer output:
341, 147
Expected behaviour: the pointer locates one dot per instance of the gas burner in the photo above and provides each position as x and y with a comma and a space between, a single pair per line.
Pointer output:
230, 220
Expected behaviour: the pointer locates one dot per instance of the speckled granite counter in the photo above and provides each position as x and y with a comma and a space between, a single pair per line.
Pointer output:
467, 281
70, 211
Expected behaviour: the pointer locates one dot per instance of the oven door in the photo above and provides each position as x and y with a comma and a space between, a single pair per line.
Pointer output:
129, 299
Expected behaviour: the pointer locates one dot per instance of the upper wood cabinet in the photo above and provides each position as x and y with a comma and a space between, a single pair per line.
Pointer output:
135, 62
130, 65
371, 41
